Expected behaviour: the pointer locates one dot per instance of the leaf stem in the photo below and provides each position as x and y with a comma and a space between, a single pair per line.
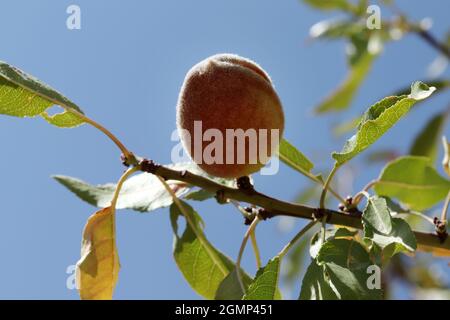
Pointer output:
249, 231
445, 208
357, 198
323, 196
255, 249
288, 246
273, 207
126, 153
120, 183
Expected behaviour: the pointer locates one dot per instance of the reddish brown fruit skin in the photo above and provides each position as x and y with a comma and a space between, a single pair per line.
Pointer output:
228, 92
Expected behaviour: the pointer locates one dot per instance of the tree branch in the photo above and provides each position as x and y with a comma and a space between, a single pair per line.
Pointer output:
272, 207
432, 41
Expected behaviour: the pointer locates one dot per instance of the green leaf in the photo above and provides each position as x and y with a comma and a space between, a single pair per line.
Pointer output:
315, 286
265, 284
441, 85
427, 141
204, 267
230, 289
401, 238
334, 29
199, 195
346, 263
22, 95
294, 158
377, 215
346, 127
342, 97
339, 272
379, 118
330, 4
316, 240
142, 192
413, 181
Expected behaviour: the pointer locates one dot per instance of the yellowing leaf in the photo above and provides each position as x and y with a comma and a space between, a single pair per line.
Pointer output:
97, 270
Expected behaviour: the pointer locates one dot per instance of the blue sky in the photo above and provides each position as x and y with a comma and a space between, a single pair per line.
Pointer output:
124, 68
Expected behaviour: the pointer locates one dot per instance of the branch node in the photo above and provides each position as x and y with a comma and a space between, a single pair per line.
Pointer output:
319, 213
149, 166
128, 161
220, 197
441, 229
244, 184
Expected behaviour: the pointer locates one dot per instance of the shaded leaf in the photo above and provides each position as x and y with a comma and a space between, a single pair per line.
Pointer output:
291, 156
376, 214
315, 286
379, 118
346, 263
316, 240
230, 289
204, 267
265, 284
97, 270
401, 238
413, 181
22, 95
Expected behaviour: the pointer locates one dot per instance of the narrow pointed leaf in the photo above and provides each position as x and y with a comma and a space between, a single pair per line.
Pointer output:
413, 181
97, 270
379, 118
427, 142
142, 192
342, 97
294, 158
204, 267
22, 95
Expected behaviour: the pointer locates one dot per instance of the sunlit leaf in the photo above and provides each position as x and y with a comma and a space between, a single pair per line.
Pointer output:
22, 95
379, 118
142, 192
334, 29
342, 97
97, 270
294, 158
413, 181
204, 267
265, 284
428, 140
330, 4
346, 127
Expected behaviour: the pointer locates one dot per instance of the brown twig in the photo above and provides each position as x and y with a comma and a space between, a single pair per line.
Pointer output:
273, 207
